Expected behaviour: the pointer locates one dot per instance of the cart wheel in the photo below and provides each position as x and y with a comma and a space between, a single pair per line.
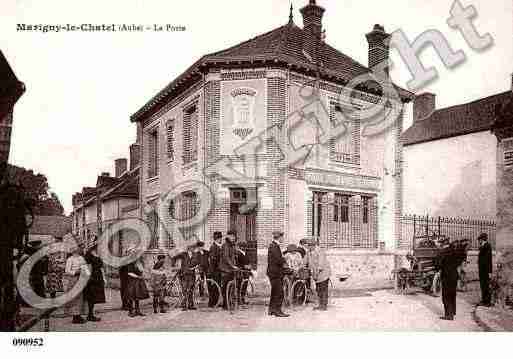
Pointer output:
436, 287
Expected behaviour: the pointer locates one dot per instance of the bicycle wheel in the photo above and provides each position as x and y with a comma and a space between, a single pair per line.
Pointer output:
287, 294
231, 296
298, 292
213, 286
174, 292
200, 291
249, 293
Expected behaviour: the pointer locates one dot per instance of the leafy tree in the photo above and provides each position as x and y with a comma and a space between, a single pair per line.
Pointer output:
44, 201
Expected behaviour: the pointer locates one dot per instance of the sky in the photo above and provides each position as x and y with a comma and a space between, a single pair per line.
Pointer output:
74, 119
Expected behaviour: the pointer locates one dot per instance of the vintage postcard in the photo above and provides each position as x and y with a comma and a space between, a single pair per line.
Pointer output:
255, 166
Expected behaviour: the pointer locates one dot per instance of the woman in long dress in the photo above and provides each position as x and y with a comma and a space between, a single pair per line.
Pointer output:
74, 266
137, 289
94, 292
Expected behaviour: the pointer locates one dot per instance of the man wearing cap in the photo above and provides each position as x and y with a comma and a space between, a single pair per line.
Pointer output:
228, 263
275, 264
214, 257
450, 260
188, 265
320, 267
485, 268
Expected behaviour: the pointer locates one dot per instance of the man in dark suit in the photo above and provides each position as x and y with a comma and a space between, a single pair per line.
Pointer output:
188, 265
450, 259
214, 257
202, 259
275, 263
485, 268
228, 263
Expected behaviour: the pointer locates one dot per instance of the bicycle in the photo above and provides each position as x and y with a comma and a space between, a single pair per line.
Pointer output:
173, 290
234, 293
296, 291
203, 286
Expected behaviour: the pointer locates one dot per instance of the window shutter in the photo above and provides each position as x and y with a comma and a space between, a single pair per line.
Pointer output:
170, 139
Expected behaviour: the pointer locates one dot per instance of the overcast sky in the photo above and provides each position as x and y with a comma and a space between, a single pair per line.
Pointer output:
73, 121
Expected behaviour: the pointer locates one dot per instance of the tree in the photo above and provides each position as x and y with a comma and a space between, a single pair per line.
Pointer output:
44, 202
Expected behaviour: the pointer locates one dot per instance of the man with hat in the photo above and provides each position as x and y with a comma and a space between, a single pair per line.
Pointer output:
228, 263
485, 268
275, 265
450, 259
202, 259
214, 257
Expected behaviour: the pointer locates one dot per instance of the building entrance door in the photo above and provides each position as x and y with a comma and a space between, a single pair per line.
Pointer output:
243, 222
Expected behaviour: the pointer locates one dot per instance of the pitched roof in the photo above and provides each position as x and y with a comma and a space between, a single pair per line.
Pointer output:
129, 187
457, 120
281, 46
56, 226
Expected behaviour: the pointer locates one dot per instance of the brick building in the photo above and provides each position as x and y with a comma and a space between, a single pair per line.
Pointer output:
112, 199
347, 192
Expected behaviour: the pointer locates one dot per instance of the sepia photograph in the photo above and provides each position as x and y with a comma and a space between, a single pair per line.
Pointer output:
268, 166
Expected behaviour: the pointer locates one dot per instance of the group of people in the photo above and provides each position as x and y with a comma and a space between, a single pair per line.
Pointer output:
219, 264
306, 255
451, 257
62, 271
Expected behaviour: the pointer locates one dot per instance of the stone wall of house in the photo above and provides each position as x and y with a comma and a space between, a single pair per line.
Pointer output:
504, 239
463, 184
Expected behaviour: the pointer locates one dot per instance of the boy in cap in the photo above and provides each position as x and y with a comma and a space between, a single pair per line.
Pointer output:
320, 268
158, 283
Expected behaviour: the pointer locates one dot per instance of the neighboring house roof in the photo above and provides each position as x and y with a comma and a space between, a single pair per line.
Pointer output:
457, 120
128, 188
56, 226
281, 46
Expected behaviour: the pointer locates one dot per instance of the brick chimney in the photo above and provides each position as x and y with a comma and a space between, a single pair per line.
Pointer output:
379, 49
423, 106
120, 166
135, 155
312, 24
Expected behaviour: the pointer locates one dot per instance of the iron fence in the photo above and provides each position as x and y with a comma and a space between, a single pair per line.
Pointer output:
454, 228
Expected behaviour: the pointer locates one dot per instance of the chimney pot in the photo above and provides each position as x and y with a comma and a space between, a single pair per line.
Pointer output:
379, 49
423, 106
135, 155
120, 166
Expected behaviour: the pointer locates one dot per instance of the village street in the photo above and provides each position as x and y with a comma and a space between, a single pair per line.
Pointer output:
352, 310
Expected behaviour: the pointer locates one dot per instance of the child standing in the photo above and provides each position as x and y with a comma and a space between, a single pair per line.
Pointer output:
158, 282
